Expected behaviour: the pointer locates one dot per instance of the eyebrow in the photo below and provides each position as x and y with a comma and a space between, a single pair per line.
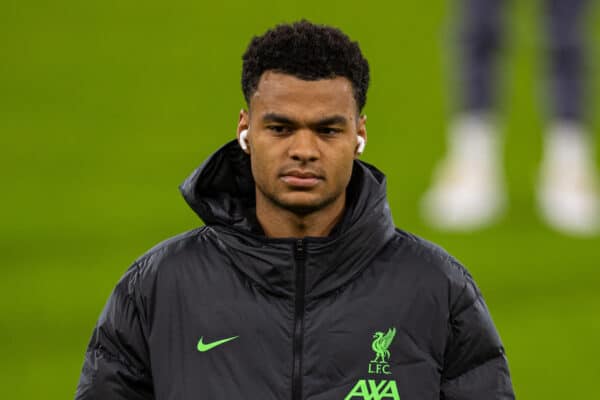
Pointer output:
273, 117
282, 119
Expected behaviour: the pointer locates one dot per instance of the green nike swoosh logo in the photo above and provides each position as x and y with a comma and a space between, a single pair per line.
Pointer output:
202, 347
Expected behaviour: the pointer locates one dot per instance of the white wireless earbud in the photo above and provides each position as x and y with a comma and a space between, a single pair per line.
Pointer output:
361, 144
242, 140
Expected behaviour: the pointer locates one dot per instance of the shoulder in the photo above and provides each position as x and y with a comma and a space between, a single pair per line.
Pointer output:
432, 262
169, 255
427, 254
167, 264
173, 247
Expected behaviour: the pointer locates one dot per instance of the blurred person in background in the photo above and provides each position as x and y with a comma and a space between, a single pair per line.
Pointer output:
468, 189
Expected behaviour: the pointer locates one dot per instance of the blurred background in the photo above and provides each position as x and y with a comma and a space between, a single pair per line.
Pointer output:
105, 107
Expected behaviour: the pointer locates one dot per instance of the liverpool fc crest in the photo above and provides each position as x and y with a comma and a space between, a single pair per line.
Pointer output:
380, 346
377, 389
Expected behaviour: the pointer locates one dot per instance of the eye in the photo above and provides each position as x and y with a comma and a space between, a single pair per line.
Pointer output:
279, 129
327, 130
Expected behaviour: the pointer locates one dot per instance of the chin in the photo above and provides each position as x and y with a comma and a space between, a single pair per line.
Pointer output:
303, 203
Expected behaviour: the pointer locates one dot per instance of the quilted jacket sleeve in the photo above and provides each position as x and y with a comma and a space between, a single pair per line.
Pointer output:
116, 364
475, 365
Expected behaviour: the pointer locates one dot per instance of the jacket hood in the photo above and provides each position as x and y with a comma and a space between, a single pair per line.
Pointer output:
222, 192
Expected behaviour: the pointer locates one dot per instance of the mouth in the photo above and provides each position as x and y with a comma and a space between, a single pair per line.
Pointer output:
301, 179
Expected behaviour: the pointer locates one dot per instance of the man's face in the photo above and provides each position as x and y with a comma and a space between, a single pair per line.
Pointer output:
302, 140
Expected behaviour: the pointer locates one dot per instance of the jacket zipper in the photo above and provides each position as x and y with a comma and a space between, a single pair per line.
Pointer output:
300, 257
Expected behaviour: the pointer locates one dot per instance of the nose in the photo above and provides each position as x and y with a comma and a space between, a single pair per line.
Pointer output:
304, 146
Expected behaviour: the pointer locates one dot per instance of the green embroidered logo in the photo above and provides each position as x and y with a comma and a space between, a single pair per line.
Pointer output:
380, 345
202, 347
373, 390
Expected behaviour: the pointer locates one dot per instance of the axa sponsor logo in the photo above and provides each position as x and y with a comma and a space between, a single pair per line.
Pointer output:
373, 389
370, 389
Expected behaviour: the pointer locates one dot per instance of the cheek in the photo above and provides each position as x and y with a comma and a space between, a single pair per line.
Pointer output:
263, 165
343, 170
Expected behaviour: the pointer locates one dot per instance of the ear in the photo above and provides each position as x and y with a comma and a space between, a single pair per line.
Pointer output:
361, 132
243, 124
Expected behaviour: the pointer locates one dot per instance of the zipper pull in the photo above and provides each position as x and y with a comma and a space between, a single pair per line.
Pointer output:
300, 249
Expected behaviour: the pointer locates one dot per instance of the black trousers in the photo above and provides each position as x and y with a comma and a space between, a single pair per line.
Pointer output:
481, 34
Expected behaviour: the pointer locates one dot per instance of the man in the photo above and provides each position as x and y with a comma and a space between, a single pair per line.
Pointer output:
299, 286
468, 189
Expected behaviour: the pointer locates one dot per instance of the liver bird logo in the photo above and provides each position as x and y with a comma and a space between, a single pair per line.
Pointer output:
381, 344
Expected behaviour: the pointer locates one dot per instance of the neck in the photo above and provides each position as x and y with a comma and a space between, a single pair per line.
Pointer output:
278, 222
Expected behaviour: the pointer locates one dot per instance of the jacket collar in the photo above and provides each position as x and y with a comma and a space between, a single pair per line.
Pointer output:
221, 192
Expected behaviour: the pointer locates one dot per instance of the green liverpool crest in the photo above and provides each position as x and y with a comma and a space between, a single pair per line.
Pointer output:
373, 389
380, 345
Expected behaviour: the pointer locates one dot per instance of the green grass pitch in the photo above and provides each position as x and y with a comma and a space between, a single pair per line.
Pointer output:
106, 106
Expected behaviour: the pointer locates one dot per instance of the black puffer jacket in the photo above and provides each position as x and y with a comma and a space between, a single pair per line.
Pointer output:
224, 313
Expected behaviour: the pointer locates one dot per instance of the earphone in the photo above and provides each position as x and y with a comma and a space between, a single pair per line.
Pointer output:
361, 144
242, 140
244, 144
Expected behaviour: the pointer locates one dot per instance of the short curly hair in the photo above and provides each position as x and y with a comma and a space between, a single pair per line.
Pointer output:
307, 51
